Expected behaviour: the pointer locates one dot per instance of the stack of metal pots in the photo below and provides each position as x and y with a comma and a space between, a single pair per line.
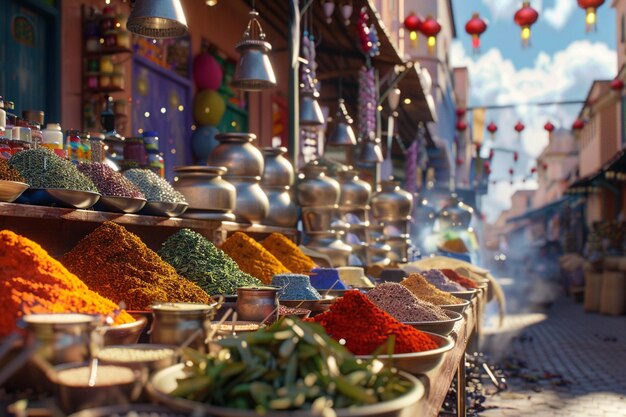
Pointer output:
209, 196
391, 211
318, 195
353, 211
278, 177
245, 165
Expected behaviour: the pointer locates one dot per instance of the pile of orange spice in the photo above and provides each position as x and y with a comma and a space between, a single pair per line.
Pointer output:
425, 291
288, 253
252, 257
460, 279
31, 281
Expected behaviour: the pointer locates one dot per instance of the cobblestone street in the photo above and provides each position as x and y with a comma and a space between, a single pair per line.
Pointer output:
564, 362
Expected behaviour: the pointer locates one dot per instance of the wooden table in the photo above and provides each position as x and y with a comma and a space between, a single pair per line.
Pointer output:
438, 380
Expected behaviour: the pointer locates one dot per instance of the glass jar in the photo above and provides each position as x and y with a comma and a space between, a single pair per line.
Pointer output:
123, 39
106, 64
104, 81
5, 148
117, 81
135, 151
73, 148
85, 145
92, 44
97, 147
151, 141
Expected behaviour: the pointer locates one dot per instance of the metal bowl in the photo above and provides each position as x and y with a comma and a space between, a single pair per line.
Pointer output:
442, 327
153, 364
131, 409
459, 308
465, 295
59, 197
11, 190
208, 215
117, 204
316, 306
418, 362
164, 208
125, 334
165, 381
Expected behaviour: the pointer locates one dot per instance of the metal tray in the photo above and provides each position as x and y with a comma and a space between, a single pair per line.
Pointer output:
11, 190
59, 197
164, 208
118, 204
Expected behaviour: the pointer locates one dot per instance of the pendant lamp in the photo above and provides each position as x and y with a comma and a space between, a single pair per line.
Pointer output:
157, 19
370, 153
310, 110
254, 71
342, 133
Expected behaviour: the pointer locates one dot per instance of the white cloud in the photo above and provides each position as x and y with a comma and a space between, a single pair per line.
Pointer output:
558, 15
505, 9
566, 75
555, 16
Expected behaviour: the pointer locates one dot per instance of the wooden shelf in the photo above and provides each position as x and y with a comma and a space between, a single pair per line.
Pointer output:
108, 51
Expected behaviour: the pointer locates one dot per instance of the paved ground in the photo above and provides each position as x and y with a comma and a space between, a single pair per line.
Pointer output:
564, 362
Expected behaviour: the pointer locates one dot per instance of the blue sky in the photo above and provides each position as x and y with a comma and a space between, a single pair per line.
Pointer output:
560, 64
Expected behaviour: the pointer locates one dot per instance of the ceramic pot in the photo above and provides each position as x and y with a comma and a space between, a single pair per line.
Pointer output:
354, 191
238, 154
315, 188
278, 170
282, 210
328, 243
252, 203
205, 189
391, 202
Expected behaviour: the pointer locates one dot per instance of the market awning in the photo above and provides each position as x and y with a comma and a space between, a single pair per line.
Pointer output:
543, 211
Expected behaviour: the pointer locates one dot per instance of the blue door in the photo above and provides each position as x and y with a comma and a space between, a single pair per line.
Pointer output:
29, 55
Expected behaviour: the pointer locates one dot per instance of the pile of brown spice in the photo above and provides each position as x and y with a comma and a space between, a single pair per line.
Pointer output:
118, 265
402, 304
288, 253
425, 291
8, 173
33, 282
252, 257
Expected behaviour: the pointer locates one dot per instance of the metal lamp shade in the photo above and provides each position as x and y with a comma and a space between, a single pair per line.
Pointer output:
157, 19
342, 133
371, 153
310, 110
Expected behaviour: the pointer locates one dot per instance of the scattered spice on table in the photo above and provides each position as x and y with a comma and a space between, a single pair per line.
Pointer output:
196, 258
364, 327
439, 280
398, 301
460, 279
108, 181
153, 186
252, 257
117, 264
42, 168
425, 291
33, 282
295, 287
288, 253
8, 173
293, 311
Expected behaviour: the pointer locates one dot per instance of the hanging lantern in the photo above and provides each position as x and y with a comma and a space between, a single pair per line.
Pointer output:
578, 125
519, 127
533, 170
545, 166
342, 133
515, 156
329, 8
413, 23
460, 112
431, 28
459, 161
511, 171
617, 85
492, 128
475, 27
346, 12
590, 7
524, 18
491, 153
478, 147
163, 19
461, 125
393, 98
549, 127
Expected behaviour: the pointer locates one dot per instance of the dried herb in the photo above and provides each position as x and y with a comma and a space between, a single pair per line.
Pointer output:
154, 187
8, 173
197, 259
109, 182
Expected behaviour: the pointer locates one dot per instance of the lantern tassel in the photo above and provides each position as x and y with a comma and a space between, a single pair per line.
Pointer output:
414, 37
432, 42
590, 19
525, 36
476, 43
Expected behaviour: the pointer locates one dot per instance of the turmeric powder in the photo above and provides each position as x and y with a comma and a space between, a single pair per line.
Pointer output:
425, 291
252, 257
33, 282
288, 253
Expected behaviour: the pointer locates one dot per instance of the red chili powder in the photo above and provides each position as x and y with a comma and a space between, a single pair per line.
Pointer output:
366, 327
456, 277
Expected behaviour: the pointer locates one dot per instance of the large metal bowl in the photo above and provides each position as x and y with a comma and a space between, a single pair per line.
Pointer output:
164, 208
166, 358
418, 362
117, 204
11, 190
152, 410
165, 381
125, 334
442, 327
465, 295
59, 197
459, 308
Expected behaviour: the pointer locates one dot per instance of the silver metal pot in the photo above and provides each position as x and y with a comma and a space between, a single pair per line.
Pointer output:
399, 248
315, 188
257, 303
238, 154
378, 252
455, 215
354, 191
391, 202
205, 189
278, 170
319, 218
252, 203
329, 243
282, 210
173, 323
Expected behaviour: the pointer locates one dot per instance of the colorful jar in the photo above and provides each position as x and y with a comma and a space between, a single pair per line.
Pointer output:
73, 148
134, 150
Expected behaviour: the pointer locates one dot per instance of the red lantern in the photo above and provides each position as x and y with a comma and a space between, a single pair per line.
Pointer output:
460, 112
578, 124
491, 153
478, 146
545, 166
492, 128
590, 7
617, 84
431, 28
515, 156
533, 170
519, 127
475, 27
459, 161
413, 23
461, 125
525, 18
486, 165
511, 171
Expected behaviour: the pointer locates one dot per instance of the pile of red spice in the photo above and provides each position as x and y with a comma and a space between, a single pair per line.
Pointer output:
365, 327
460, 279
